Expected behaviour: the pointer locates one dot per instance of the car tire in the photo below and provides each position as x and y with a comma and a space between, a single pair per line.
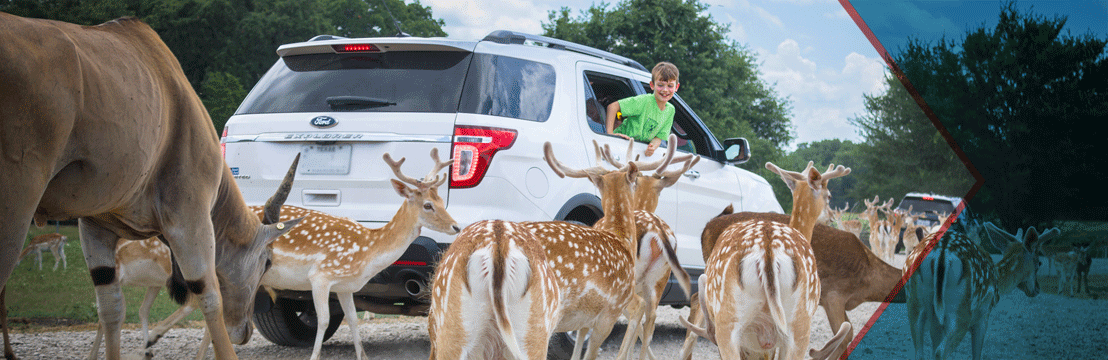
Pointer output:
293, 323
561, 345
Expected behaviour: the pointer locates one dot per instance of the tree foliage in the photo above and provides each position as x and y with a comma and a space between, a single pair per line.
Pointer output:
1024, 100
719, 77
232, 43
903, 151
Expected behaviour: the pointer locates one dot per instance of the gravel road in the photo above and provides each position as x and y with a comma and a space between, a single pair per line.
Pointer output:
382, 338
1047, 326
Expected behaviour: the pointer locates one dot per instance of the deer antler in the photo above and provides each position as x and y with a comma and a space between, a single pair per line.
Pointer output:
439, 165
429, 181
565, 171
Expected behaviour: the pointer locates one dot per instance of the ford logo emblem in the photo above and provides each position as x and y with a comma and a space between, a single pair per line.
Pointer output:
324, 122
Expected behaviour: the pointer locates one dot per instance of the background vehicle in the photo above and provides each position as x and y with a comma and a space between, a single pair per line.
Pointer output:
491, 104
929, 205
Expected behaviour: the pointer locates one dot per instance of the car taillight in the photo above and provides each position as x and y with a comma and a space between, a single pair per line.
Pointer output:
473, 151
355, 48
929, 198
223, 145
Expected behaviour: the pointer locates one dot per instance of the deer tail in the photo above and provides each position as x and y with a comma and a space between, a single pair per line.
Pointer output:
507, 282
779, 277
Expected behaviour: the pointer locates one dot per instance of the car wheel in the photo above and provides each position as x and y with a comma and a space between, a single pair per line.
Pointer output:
293, 323
561, 345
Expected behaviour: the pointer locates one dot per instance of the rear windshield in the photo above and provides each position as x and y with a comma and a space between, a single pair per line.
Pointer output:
925, 206
410, 81
415, 81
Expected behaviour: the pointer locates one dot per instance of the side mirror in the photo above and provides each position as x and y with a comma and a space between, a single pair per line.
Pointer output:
738, 150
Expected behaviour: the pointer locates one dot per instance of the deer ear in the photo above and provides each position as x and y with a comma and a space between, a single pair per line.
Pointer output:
277, 229
403, 190
814, 178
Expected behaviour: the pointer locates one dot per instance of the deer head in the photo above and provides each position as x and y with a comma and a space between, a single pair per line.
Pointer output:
425, 195
810, 193
1021, 260
649, 188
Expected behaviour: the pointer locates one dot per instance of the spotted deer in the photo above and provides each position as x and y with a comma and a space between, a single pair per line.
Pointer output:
595, 267
953, 285
330, 254
101, 125
872, 214
53, 242
854, 226
760, 286
494, 295
652, 260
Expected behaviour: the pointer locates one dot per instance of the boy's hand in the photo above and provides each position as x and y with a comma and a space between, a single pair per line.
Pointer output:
625, 137
653, 145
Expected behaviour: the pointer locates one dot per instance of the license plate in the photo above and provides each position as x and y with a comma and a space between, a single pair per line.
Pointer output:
325, 159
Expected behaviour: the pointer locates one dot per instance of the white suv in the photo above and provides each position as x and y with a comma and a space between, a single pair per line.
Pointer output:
491, 103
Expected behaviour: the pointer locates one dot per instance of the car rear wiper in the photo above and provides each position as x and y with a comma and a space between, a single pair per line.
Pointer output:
339, 103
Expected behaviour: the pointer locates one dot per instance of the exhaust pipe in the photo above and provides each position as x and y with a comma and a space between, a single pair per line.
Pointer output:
416, 288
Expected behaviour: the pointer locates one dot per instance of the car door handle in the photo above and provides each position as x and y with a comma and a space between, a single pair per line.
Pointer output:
692, 174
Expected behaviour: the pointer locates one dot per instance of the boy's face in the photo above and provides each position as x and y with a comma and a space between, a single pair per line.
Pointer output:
664, 89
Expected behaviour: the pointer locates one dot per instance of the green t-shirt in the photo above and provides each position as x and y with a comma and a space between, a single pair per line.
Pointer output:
642, 120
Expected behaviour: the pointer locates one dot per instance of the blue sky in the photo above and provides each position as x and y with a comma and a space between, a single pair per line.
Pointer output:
810, 50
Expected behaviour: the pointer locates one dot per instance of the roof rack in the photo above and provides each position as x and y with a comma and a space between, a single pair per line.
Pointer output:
325, 37
513, 37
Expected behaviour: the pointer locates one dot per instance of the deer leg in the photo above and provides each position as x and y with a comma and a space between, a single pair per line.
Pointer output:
95, 353
162, 327
695, 317
650, 316
601, 332
346, 300
836, 316
634, 312
729, 344
320, 297
61, 251
38, 258
582, 334
144, 309
977, 336
98, 245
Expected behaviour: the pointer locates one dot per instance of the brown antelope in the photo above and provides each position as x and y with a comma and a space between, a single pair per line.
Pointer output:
953, 287
54, 242
650, 263
760, 286
494, 295
101, 124
595, 267
329, 254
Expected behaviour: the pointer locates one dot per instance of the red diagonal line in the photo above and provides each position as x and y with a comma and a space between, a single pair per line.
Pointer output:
949, 140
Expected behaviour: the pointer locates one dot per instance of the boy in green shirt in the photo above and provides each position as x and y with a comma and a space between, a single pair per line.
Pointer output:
647, 117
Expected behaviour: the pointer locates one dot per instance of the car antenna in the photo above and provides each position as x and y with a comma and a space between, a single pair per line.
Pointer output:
399, 33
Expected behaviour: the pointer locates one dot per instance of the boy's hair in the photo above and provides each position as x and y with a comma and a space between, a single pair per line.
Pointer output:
665, 71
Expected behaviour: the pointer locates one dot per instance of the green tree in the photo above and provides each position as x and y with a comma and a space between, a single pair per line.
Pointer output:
1023, 100
222, 93
719, 77
903, 152
823, 153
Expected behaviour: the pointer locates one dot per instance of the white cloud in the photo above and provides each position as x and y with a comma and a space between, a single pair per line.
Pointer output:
839, 14
761, 13
473, 19
824, 96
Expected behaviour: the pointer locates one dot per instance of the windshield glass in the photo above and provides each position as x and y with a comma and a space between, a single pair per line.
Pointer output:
926, 206
409, 81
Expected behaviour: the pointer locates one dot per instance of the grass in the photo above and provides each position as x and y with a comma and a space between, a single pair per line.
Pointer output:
41, 299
